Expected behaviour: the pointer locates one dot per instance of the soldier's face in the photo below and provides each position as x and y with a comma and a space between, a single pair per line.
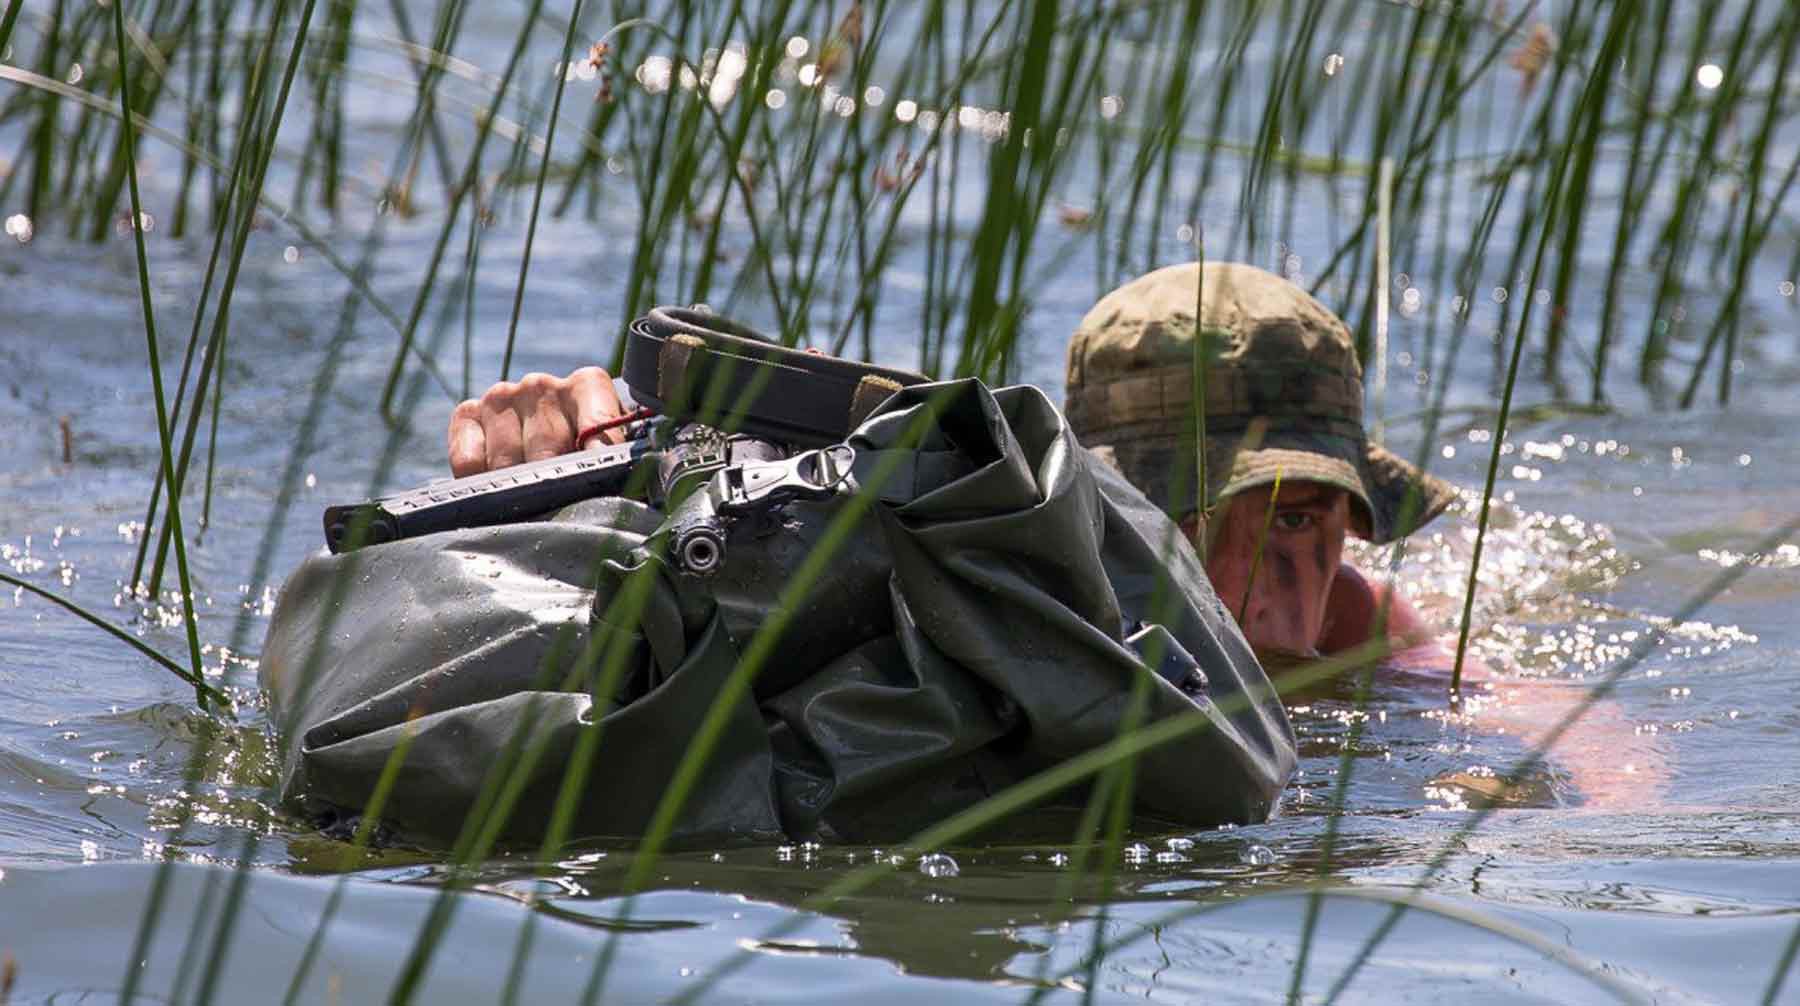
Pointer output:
1281, 599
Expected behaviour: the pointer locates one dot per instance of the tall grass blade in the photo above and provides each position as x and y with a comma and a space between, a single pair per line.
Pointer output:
201, 694
219, 700
537, 191
1603, 688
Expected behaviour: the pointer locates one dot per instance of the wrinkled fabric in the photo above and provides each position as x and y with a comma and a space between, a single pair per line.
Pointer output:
971, 632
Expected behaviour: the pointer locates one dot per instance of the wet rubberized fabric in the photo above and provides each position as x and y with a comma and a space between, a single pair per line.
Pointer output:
972, 632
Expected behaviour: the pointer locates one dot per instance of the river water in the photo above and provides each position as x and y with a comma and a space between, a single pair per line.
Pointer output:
1658, 848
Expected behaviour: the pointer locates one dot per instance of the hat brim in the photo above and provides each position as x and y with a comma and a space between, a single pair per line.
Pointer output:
1394, 498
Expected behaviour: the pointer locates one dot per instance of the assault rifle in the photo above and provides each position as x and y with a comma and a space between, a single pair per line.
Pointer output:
699, 375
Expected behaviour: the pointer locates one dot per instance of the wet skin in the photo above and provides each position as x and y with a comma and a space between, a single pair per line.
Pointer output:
1300, 598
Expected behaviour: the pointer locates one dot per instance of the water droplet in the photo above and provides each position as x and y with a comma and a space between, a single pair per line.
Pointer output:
1257, 855
19, 228
937, 865
1709, 76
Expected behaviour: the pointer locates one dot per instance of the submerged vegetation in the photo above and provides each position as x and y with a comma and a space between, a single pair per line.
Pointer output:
774, 159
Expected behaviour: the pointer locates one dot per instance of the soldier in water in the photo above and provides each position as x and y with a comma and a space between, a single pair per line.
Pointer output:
1290, 475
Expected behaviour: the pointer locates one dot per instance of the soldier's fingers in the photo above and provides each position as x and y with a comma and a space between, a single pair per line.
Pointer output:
590, 399
468, 445
548, 430
500, 424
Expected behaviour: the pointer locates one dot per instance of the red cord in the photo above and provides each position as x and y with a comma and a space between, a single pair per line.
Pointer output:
611, 424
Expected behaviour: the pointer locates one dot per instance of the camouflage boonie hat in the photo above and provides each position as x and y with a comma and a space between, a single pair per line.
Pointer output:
1283, 394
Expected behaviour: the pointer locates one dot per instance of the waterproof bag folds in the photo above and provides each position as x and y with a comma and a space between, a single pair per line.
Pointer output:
985, 600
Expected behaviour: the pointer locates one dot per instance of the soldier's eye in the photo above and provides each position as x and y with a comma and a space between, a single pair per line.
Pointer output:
1293, 520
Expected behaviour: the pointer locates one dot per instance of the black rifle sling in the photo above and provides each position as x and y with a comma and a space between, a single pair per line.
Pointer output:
695, 366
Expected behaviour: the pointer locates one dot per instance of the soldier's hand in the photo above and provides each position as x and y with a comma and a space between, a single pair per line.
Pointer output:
535, 417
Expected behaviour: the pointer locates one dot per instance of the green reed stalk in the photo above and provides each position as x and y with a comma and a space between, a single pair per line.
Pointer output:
260, 152
1782, 965
1628, 215
365, 832
7, 21
760, 51
105, 192
588, 166
196, 936
1608, 683
632, 600
736, 687
187, 674
1340, 793
236, 175
1421, 145
1597, 972
201, 696
44, 133
1589, 126
306, 235
471, 263
537, 193
986, 322
1040, 787
464, 186
308, 673
1750, 241
503, 783
1618, 29
1673, 240
212, 442
190, 165
1243, 609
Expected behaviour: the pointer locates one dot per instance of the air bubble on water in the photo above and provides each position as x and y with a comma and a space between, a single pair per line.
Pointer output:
937, 865
1062, 858
1179, 844
1257, 855
1170, 857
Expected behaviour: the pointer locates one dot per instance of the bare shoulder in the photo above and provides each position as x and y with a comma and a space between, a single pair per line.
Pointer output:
1354, 607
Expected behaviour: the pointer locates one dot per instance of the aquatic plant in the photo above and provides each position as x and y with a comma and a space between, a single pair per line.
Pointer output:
775, 157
